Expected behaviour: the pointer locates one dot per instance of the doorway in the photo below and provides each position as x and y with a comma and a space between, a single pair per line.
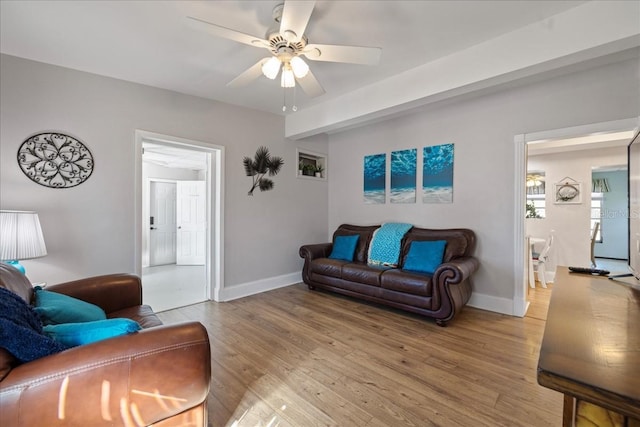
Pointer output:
179, 220
558, 140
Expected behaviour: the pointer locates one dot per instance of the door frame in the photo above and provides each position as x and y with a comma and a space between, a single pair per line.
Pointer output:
520, 303
214, 267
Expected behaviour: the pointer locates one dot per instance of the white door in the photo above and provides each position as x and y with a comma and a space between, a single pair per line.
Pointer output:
162, 223
191, 222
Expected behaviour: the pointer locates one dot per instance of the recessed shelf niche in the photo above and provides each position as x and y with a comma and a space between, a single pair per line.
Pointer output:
311, 165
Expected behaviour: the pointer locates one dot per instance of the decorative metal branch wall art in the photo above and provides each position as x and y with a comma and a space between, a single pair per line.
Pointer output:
262, 164
55, 160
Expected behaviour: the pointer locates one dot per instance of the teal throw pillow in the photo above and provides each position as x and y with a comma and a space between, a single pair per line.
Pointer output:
425, 256
344, 247
74, 334
55, 308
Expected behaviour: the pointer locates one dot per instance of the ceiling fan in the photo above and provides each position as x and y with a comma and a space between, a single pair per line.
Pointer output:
287, 42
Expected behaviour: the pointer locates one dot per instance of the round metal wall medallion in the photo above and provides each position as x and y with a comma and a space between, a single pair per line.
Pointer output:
55, 160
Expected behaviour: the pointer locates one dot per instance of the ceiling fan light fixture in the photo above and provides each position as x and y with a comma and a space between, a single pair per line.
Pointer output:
299, 67
271, 68
287, 79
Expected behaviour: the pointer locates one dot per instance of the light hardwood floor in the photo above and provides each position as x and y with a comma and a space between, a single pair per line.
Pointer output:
294, 357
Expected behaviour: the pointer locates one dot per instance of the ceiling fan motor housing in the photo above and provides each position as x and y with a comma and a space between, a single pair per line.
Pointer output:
278, 44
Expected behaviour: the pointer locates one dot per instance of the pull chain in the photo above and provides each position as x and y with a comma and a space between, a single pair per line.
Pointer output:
284, 99
294, 108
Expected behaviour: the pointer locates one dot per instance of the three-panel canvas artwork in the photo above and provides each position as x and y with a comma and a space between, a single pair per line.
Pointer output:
437, 176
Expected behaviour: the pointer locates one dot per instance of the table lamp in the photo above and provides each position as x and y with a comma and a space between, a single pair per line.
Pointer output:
20, 237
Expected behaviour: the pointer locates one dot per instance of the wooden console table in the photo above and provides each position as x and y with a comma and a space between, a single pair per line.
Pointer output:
591, 345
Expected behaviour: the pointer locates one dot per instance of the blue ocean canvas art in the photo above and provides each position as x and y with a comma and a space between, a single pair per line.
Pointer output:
375, 170
403, 176
437, 174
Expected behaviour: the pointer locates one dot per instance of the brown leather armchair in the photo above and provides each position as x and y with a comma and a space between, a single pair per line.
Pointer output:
158, 376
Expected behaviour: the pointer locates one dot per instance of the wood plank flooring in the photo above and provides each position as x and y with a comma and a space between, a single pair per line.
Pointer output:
294, 357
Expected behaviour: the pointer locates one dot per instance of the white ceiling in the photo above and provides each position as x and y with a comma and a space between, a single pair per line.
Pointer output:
148, 42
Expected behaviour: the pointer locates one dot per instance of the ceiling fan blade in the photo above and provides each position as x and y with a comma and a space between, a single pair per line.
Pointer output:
349, 54
248, 75
295, 17
227, 33
310, 85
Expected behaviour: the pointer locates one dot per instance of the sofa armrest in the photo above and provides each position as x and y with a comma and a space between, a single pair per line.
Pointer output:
457, 270
318, 250
311, 252
137, 379
453, 286
111, 292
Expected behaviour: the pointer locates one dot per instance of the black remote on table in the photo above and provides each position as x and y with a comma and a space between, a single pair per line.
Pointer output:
586, 270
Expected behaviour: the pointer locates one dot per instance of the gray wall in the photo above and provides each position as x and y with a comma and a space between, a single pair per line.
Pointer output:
482, 129
90, 229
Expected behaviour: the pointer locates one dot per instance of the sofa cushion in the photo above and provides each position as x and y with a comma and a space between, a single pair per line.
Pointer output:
408, 282
362, 274
55, 308
344, 247
74, 334
425, 256
327, 267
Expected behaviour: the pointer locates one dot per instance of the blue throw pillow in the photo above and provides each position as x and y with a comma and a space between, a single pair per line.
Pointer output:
425, 256
55, 308
73, 334
344, 247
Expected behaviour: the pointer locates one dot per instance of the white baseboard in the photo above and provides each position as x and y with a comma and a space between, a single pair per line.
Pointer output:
520, 308
251, 288
491, 303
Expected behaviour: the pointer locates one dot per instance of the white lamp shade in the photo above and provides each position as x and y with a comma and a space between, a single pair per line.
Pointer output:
299, 67
20, 236
271, 67
288, 79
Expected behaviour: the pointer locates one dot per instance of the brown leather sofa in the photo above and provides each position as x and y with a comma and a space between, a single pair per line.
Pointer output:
158, 376
440, 296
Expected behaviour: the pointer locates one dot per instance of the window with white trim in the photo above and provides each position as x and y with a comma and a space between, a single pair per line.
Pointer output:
536, 203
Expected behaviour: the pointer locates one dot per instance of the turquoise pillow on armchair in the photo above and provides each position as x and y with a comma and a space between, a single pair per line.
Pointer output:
74, 334
55, 308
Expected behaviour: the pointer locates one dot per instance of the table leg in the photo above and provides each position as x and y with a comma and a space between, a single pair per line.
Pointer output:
568, 411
